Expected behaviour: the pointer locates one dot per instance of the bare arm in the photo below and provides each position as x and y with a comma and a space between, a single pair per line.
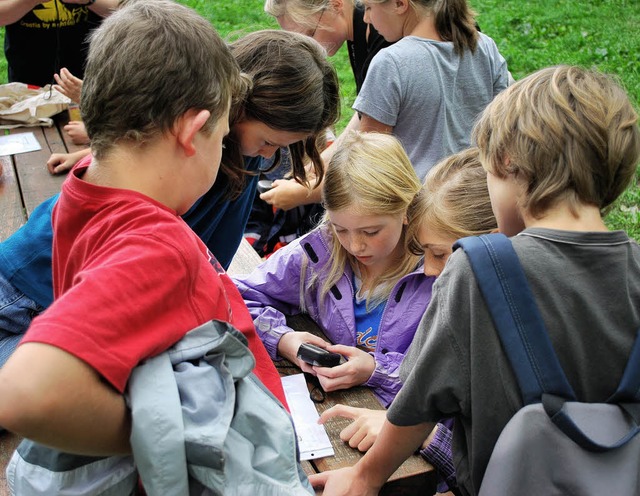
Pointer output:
394, 445
101, 7
13, 10
58, 400
370, 125
62, 162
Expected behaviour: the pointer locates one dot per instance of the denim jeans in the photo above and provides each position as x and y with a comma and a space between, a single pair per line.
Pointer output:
16, 313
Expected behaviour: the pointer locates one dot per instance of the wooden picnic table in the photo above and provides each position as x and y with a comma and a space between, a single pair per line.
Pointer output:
25, 181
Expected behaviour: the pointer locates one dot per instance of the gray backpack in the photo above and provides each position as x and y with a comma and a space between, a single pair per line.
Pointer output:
203, 424
554, 445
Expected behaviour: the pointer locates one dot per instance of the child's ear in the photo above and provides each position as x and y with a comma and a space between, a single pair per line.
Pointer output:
402, 6
188, 127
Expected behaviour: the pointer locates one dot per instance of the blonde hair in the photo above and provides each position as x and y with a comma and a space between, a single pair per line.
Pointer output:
570, 134
302, 12
454, 21
371, 172
454, 200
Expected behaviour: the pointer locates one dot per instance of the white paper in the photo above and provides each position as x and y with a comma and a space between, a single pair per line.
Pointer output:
11, 144
312, 437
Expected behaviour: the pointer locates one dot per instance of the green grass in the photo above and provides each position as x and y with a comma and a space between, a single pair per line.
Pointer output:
530, 35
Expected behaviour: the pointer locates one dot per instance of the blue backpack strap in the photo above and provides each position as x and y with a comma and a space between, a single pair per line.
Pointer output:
629, 388
516, 317
627, 397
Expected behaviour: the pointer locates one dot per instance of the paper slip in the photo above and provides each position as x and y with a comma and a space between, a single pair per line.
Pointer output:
11, 144
312, 437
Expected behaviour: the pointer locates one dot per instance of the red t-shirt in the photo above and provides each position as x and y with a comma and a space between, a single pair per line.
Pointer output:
130, 279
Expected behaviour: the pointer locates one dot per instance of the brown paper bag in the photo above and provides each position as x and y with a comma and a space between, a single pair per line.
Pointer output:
22, 105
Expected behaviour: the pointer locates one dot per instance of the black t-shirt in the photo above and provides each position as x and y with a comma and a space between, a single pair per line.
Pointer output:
363, 48
51, 36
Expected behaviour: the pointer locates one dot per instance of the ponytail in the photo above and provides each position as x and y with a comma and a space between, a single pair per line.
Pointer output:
455, 22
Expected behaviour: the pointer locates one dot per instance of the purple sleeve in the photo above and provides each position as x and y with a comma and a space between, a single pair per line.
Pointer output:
385, 379
272, 291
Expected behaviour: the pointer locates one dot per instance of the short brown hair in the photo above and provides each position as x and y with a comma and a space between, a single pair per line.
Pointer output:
569, 133
149, 63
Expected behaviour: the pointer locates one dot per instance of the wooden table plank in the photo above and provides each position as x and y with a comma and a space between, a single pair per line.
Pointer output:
12, 214
36, 183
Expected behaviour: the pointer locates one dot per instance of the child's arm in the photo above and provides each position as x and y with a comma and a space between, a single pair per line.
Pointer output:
13, 10
69, 85
77, 132
54, 398
62, 162
101, 7
271, 292
394, 445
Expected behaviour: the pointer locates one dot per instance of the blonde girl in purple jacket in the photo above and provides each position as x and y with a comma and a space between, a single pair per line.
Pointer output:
353, 275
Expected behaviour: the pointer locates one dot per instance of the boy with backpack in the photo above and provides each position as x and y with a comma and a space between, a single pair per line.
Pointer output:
130, 277
559, 147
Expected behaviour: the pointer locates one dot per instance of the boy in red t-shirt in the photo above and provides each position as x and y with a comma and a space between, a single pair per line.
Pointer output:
130, 277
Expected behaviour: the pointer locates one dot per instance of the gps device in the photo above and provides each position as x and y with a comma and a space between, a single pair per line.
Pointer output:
314, 355
264, 185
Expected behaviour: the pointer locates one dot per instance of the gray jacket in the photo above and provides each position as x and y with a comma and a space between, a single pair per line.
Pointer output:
202, 424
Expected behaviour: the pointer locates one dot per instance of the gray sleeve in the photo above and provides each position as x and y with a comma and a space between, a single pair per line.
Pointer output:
381, 95
436, 367
501, 75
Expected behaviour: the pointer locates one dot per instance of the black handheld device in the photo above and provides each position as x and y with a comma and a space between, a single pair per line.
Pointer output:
264, 185
314, 355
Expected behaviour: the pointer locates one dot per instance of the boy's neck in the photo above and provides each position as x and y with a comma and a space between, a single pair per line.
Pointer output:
560, 217
142, 170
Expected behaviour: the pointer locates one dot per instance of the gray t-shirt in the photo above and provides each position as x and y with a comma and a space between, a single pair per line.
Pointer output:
431, 95
587, 286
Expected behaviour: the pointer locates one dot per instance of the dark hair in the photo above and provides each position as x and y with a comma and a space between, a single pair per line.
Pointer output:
148, 64
294, 88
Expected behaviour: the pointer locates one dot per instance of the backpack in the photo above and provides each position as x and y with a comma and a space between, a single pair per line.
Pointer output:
202, 424
554, 445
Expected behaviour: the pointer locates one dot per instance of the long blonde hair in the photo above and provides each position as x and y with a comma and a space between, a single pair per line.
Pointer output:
372, 172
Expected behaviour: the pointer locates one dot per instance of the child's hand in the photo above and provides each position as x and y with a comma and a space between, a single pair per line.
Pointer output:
354, 372
291, 341
363, 431
68, 85
77, 133
287, 194
62, 162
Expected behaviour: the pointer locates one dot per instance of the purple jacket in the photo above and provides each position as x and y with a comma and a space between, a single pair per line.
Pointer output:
273, 290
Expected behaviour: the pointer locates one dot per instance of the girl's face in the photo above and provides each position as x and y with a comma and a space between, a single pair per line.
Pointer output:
330, 28
504, 193
437, 248
385, 18
256, 138
374, 240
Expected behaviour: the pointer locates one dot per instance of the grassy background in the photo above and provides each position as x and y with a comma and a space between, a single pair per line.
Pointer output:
530, 35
